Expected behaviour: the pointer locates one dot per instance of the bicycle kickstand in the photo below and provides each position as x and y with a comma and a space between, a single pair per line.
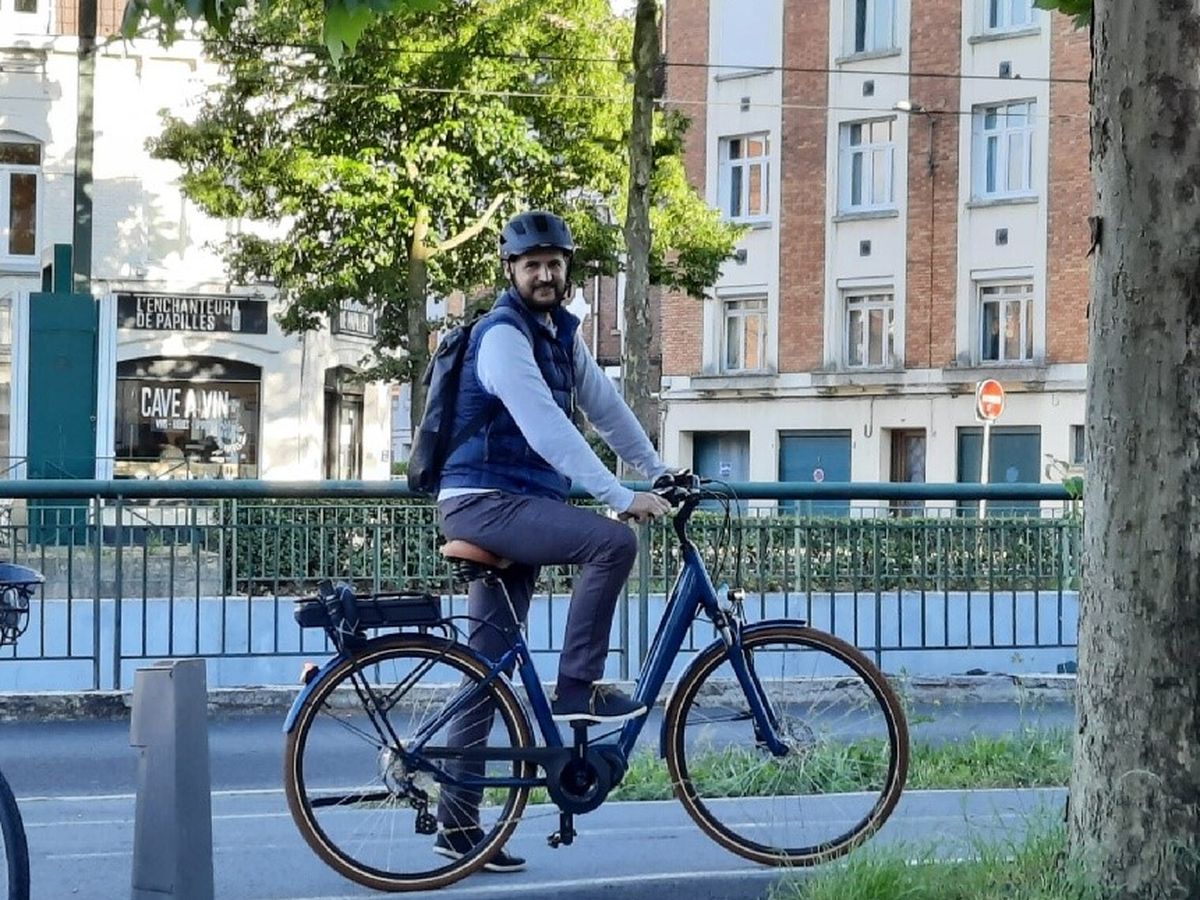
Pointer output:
565, 835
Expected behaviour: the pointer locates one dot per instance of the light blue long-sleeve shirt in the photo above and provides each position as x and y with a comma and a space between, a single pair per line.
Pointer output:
507, 370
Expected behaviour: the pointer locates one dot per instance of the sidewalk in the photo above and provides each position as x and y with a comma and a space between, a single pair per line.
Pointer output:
108, 705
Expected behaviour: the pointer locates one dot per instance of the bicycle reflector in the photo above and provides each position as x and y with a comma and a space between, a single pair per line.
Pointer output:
17, 584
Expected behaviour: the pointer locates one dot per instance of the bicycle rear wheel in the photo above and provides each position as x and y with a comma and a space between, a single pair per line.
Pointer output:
846, 738
364, 803
15, 857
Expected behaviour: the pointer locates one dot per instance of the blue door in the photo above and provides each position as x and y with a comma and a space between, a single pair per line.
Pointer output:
815, 456
1015, 459
722, 456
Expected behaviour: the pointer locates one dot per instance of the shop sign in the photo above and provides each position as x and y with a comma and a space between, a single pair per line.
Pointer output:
174, 408
192, 312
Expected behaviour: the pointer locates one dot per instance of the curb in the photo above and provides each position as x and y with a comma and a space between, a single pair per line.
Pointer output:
65, 706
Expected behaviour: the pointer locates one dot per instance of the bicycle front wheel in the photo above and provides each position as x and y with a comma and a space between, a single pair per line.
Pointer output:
15, 857
844, 732
373, 759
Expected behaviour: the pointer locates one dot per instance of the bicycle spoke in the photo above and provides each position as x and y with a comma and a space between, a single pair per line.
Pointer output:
368, 805
841, 772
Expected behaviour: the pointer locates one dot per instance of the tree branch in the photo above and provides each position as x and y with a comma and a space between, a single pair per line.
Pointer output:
467, 233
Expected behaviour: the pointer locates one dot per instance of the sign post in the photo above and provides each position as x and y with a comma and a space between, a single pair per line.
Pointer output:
989, 404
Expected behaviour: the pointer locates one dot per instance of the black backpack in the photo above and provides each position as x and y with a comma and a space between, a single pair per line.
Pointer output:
434, 441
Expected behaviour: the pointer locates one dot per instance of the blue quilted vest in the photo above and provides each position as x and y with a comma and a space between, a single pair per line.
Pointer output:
498, 456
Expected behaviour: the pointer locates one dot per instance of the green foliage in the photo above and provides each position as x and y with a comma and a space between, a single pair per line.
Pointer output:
1032, 865
1079, 10
413, 149
286, 546
820, 554
344, 23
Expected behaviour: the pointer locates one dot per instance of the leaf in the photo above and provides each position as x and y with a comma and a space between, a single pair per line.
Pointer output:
1080, 11
344, 26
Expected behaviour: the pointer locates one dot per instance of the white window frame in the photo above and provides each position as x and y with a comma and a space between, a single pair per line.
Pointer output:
866, 301
878, 35
997, 129
736, 310
20, 261
739, 170
871, 154
1004, 294
23, 22
997, 15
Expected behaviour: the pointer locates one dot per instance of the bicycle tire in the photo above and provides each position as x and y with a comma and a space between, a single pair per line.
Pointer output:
16, 849
869, 776
384, 777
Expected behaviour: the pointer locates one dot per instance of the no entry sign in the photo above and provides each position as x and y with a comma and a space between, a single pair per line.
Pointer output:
989, 399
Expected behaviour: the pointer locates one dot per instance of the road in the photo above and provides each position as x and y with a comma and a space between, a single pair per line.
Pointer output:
76, 782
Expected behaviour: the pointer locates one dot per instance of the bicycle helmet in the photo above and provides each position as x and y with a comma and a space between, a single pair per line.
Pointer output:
535, 230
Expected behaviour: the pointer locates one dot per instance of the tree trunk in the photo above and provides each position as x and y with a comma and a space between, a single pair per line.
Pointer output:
635, 356
1135, 788
418, 322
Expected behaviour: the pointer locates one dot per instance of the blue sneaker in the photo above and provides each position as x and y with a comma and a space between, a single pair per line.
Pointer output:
601, 703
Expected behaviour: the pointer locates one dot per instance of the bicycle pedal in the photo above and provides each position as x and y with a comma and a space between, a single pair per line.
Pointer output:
426, 822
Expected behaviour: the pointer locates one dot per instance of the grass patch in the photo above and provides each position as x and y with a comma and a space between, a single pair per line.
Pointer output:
1034, 868
1028, 758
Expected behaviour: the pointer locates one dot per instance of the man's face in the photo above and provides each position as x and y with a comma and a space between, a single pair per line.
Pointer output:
540, 277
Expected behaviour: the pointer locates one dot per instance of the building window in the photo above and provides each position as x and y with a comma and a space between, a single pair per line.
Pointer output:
1078, 445
866, 163
744, 335
1006, 322
743, 182
869, 25
20, 186
1003, 151
870, 330
196, 417
1006, 15
12, 10
745, 41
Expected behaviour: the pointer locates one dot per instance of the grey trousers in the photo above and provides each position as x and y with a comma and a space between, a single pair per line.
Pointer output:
532, 532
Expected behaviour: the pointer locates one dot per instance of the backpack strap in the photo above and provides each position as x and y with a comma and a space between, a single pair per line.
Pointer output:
477, 421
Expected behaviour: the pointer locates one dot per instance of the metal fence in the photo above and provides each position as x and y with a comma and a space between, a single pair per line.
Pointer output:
146, 570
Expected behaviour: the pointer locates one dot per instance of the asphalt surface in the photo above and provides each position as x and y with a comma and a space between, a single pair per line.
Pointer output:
76, 783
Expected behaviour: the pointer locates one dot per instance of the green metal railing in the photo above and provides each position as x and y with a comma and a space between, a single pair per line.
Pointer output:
146, 569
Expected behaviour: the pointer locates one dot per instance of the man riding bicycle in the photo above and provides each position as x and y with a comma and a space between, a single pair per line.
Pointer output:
505, 489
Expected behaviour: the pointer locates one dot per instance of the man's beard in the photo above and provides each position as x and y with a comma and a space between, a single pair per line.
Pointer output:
543, 303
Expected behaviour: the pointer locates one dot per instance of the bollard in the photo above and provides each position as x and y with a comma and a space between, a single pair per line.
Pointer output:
172, 831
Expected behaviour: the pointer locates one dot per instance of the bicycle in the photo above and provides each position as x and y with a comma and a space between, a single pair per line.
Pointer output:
17, 584
785, 744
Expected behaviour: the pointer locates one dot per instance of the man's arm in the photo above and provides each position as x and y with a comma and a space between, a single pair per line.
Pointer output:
611, 416
506, 369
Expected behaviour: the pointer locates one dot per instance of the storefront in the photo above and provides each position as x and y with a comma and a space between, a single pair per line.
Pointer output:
208, 386
198, 417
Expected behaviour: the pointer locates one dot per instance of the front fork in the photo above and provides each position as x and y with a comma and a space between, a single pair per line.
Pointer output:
766, 723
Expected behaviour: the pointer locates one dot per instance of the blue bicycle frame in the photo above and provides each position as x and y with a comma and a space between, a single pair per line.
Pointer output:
692, 592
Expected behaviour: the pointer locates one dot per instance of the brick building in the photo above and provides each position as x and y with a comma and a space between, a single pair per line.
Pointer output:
914, 176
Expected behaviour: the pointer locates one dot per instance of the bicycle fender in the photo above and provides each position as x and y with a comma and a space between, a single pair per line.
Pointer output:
290, 722
717, 646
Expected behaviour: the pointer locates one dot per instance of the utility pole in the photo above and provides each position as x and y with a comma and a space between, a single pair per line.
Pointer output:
81, 239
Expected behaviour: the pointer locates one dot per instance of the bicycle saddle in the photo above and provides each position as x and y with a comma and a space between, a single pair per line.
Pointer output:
468, 552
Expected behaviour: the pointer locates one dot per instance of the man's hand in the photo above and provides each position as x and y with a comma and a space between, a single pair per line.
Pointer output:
646, 506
